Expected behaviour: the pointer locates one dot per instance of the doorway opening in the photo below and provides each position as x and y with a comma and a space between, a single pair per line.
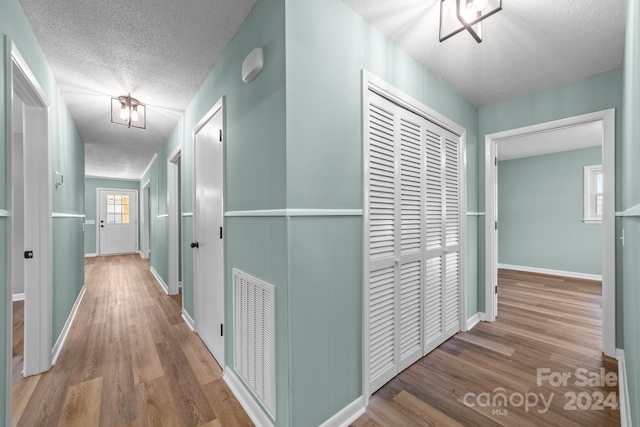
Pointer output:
29, 206
604, 121
174, 203
208, 230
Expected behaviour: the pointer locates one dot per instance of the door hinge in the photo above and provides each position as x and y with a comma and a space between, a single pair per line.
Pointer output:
221, 232
496, 225
496, 159
220, 135
221, 330
496, 290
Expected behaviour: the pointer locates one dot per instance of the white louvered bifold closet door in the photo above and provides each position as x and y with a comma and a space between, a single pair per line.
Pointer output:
396, 244
412, 279
442, 195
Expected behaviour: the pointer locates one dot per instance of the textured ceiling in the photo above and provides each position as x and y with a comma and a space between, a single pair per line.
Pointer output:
554, 141
529, 46
160, 51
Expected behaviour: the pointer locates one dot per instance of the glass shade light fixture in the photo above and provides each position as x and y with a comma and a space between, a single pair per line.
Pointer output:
459, 15
129, 112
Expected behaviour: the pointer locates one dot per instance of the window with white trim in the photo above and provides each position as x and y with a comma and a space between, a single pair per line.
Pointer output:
593, 190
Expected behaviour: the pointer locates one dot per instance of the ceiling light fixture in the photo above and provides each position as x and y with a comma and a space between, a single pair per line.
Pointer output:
129, 112
459, 15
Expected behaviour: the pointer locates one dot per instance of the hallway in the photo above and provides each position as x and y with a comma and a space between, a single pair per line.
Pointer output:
129, 360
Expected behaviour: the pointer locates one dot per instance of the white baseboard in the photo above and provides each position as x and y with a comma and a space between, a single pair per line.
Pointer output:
482, 316
473, 321
18, 297
188, 320
141, 254
625, 409
550, 272
251, 407
164, 286
347, 415
57, 348
90, 255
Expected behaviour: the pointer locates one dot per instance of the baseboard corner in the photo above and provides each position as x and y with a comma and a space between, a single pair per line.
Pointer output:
163, 285
473, 321
248, 403
347, 415
17, 297
90, 255
623, 390
188, 320
57, 348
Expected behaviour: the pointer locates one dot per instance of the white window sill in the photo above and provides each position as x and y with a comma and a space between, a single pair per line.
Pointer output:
592, 221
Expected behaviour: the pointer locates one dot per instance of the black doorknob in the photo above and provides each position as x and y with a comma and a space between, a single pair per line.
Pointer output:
195, 245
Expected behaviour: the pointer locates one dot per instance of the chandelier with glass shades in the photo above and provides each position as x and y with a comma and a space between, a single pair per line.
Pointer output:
129, 112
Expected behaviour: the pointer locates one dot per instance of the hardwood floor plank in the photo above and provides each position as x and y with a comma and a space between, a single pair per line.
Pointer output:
21, 392
203, 364
226, 405
82, 404
189, 399
155, 406
146, 363
418, 409
488, 344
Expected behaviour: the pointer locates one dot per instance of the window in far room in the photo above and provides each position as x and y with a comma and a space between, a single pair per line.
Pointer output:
593, 189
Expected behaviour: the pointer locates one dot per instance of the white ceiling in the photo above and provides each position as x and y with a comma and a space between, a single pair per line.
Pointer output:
554, 141
161, 51
529, 46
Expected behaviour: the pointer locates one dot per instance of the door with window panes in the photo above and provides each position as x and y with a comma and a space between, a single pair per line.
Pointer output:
117, 222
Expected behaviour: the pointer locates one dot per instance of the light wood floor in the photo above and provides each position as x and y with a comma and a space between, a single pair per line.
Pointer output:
129, 360
543, 322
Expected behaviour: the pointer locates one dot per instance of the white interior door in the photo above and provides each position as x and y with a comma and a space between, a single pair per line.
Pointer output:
118, 225
29, 203
413, 208
208, 232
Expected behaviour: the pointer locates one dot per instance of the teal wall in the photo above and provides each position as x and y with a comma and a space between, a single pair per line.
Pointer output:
328, 45
630, 204
90, 187
254, 175
67, 158
596, 93
541, 211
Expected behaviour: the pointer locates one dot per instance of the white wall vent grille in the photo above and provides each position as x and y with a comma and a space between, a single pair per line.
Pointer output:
254, 337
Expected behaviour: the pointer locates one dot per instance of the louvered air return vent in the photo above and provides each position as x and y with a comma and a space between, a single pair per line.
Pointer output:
254, 337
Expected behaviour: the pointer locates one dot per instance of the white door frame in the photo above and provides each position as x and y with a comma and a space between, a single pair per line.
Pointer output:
21, 82
608, 120
133, 217
175, 216
384, 89
145, 209
219, 106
